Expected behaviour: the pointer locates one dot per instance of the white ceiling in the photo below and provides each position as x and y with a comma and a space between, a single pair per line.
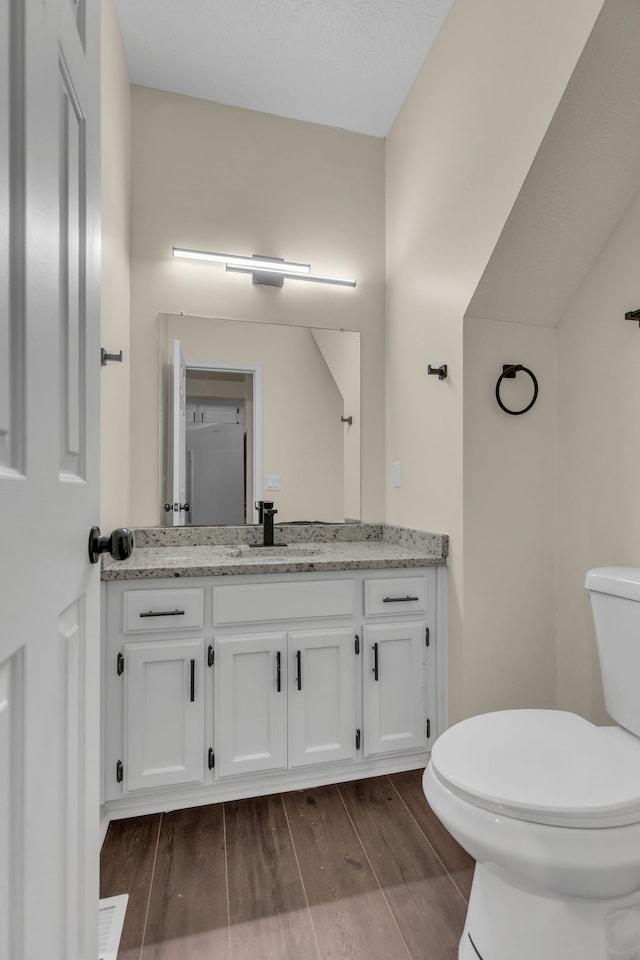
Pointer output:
343, 63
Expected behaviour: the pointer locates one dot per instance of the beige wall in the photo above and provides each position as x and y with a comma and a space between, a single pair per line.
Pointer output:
598, 505
457, 157
212, 177
115, 176
342, 355
509, 522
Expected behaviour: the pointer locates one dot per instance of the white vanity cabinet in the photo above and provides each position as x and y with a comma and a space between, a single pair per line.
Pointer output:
284, 700
395, 664
229, 686
163, 713
155, 710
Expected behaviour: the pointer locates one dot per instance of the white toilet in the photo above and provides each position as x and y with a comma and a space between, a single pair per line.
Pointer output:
549, 806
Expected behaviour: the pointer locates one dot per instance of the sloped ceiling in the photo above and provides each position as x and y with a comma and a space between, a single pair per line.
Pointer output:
585, 175
343, 63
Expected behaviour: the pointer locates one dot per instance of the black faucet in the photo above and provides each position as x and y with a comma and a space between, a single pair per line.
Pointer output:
260, 509
268, 514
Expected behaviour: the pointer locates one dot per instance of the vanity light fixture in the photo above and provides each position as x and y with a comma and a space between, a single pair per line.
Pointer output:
248, 263
265, 270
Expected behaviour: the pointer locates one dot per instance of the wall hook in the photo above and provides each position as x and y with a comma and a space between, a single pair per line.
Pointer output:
633, 315
440, 372
348, 420
104, 356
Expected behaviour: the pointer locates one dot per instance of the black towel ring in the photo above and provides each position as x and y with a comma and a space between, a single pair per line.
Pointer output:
509, 371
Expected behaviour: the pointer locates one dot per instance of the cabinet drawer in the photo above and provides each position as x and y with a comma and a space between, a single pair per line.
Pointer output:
394, 596
292, 600
151, 611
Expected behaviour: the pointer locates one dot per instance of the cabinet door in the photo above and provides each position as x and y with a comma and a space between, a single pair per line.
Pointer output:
321, 696
394, 688
164, 713
251, 704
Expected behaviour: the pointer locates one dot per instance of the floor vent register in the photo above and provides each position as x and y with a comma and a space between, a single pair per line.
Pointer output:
110, 924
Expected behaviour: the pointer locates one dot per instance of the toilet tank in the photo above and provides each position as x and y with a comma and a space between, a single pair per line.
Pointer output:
615, 602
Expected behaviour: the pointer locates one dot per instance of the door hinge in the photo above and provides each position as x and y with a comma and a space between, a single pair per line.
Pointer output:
210, 655
428, 729
357, 644
120, 664
212, 758
119, 771
427, 636
358, 738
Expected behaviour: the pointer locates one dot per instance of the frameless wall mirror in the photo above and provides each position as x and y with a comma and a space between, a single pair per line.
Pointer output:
258, 411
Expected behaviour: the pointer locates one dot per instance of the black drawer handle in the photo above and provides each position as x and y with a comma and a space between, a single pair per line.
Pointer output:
375, 661
299, 669
163, 613
193, 681
406, 599
278, 671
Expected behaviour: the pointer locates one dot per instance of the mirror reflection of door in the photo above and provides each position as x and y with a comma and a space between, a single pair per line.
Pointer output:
215, 456
215, 441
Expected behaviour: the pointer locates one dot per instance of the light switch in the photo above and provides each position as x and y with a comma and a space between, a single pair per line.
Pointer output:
272, 483
395, 473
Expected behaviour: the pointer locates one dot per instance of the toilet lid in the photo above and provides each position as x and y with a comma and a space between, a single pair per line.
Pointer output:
544, 766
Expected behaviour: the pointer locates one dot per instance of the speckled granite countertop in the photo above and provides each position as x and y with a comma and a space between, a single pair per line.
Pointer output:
223, 551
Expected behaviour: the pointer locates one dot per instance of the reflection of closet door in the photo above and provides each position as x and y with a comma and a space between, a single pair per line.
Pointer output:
215, 454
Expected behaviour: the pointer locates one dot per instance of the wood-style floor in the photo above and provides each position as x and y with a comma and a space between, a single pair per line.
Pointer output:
357, 870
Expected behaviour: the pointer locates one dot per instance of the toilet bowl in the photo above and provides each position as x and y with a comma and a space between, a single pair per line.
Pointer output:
549, 806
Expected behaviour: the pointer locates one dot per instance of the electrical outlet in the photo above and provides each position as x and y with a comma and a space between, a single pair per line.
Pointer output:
395, 473
272, 483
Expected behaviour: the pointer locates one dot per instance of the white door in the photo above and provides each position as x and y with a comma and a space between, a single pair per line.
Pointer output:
49, 424
251, 703
394, 688
178, 436
322, 725
164, 713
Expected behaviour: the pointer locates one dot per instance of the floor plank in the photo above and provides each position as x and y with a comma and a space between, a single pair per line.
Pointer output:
268, 911
188, 917
427, 906
350, 915
457, 861
126, 866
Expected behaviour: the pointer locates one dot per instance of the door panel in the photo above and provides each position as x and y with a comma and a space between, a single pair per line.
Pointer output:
251, 697
394, 688
321, 696
72, 312
49, 431
164, 713
11, 748
12, 227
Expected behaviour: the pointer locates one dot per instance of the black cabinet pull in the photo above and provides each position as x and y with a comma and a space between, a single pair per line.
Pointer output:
406, 599
162, 613
375, 661
299, 669
193, 681
278, 671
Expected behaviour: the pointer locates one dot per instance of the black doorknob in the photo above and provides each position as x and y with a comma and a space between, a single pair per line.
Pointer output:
119, 544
